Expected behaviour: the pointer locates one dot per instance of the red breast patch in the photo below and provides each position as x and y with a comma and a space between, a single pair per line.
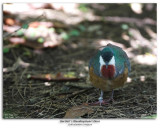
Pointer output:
108, 72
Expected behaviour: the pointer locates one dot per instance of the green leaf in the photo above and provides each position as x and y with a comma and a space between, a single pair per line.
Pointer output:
64, 36
28, 76
27, 53
51, 29
83, 7
124, 26
33, 34
93, 28
130, 33
5, 50
70, 74
20, 32
25, 26
40, 40
74, 32
82, 28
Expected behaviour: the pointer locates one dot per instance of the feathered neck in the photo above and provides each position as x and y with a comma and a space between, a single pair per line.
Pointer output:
107, 70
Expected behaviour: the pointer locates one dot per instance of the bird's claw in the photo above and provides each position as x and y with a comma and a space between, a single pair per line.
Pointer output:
102, 102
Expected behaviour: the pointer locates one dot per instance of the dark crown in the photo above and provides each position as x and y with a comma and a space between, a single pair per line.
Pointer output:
107, 55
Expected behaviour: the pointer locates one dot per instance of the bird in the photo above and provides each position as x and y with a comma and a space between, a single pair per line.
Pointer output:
108, 70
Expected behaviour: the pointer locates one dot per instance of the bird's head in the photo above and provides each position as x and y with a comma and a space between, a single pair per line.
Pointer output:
107, 63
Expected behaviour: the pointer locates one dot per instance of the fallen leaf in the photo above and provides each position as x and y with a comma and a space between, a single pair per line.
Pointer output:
9, 21
74, 32
61, 77
34, 24
37, 24
78, 111
17, 40
40, 40
65, 36
5, 50
25, 26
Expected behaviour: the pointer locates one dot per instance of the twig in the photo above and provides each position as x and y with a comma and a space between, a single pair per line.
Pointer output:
58, 114
125, 100
18, 63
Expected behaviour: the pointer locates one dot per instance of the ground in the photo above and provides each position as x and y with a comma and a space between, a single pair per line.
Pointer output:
24, 97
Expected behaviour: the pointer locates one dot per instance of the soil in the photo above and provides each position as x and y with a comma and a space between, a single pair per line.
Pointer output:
29, 98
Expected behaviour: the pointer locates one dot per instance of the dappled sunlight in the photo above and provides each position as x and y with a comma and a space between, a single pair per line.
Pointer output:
10, 29
68, 13
142, 78
47, 83
66, 7
125, 37
138, 22
137, 7
49, 25
129, 80
148, 59
17, 40
137, 41
71, 8
16, 8
152, 34
70, 19
101, 43
105, 42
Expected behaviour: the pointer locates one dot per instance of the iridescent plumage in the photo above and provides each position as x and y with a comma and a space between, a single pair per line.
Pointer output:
109, 68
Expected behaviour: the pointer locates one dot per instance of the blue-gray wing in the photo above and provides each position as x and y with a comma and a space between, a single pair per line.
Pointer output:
94, 62
121, 59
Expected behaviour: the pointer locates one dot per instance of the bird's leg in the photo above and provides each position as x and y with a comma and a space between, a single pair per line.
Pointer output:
111, 97
101, 101
101, 98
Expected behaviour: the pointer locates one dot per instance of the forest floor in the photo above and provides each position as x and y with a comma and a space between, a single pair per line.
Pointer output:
26, 96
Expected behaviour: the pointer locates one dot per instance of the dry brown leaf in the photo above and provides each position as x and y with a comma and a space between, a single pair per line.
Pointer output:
78, 111
9, 21
37, 24
17, 40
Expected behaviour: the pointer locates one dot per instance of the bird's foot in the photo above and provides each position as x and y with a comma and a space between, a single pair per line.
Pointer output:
99, 103
102, 102
109, 100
